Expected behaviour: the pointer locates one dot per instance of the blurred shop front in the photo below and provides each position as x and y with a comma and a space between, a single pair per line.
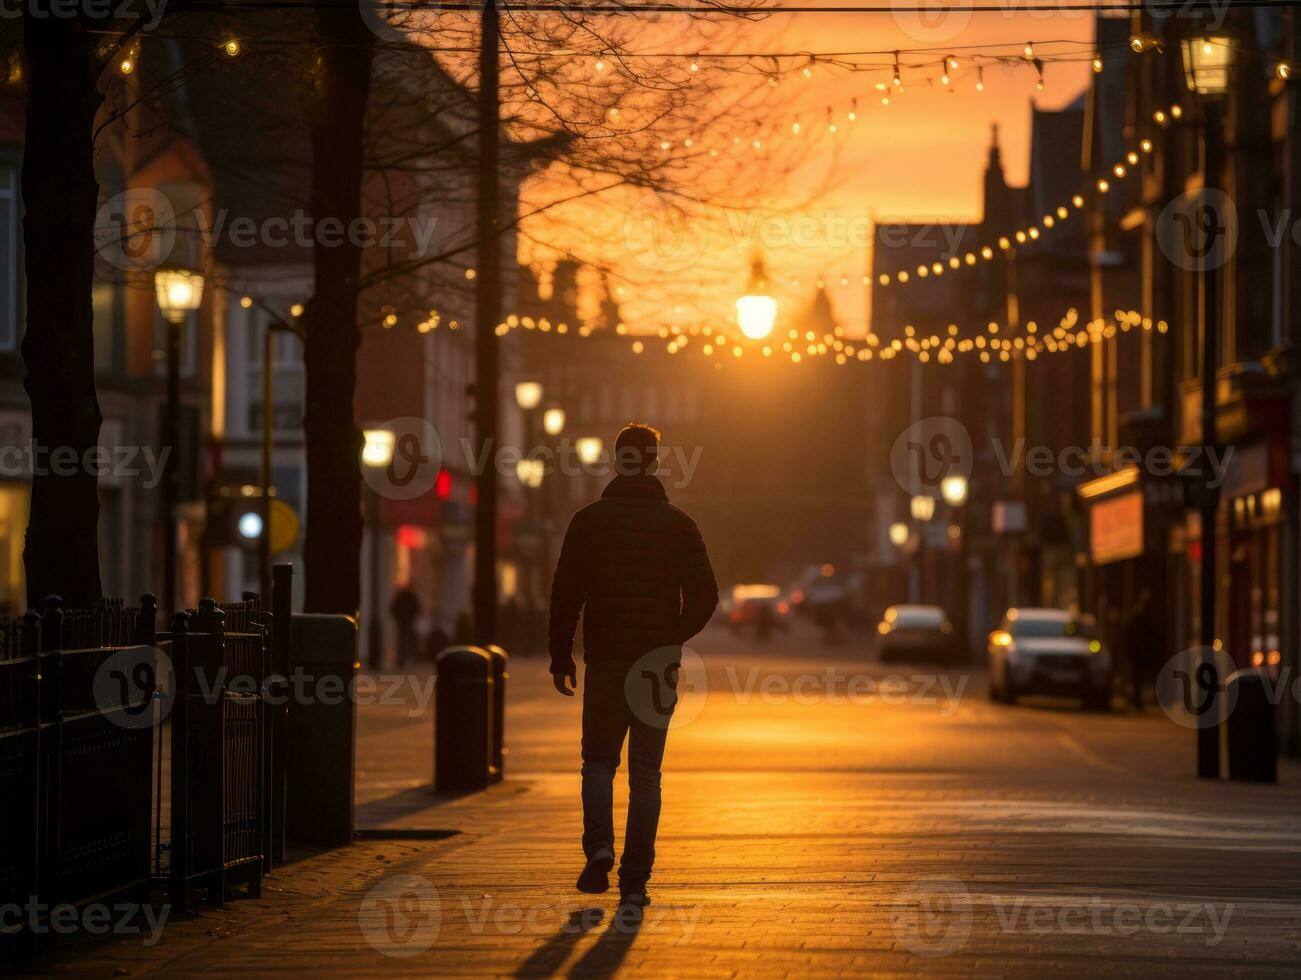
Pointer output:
432, 539
1131, 516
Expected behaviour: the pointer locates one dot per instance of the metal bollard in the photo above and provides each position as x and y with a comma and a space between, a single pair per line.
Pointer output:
500, 661
1253, 747
463, 722
321, 730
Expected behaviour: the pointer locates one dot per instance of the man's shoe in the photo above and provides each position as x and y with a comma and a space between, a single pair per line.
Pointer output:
634, 897
595, 878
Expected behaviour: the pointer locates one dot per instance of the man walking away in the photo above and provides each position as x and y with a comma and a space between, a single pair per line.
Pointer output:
637, 569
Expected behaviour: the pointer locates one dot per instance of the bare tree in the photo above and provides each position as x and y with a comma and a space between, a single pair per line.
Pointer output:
336, 111
64, 59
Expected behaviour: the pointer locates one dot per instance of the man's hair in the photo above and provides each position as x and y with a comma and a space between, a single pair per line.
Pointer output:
636, 450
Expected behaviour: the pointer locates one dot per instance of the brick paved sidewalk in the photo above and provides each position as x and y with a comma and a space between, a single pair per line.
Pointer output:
779, 874
801, 840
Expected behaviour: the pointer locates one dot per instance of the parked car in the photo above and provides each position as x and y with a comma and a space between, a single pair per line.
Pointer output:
1049, 651
918, 634
762, 608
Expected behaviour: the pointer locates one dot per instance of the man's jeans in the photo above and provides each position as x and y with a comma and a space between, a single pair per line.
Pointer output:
606, 719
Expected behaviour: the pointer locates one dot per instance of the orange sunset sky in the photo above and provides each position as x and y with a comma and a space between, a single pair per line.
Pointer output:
919, 159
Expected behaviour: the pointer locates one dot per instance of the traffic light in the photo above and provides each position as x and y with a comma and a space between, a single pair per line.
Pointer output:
235, 519
235, 516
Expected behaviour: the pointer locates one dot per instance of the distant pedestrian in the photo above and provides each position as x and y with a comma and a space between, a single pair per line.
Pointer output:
405, 609
637, 569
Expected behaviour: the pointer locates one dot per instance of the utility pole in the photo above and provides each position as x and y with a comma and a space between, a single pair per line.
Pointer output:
171, 475
1291, 627
1208, 736
487, 314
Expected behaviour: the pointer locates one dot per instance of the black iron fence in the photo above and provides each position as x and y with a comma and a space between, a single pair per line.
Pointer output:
75, 761
218, 748
133, 761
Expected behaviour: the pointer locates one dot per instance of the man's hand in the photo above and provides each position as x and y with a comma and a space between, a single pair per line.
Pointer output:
559, 680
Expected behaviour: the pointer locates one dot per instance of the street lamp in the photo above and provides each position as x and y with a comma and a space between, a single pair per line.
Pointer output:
179, 293
1207, 63
922, 507
1208, 69
530, 472
756, 311
553, 421
589, 449
954, 490
376, 453
528, 394
377, 450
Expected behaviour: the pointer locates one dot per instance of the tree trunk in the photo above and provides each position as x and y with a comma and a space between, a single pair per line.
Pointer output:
336, 117
61, 553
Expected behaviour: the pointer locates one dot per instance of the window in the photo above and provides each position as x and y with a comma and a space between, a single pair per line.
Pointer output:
107, 304
289, 391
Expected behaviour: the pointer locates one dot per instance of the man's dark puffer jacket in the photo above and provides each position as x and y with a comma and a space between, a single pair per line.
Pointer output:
637, 568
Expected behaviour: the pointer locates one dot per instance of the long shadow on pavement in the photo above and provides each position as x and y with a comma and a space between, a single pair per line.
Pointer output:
547, 959
608, 952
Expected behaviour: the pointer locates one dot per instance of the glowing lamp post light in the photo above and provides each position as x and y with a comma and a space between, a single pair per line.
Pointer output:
898, 534
553, 421
589, 449
756, 311
1208, 71
922, 507
530, 472
179, 293
954, 490
1207, 61
376, 453
528, 395
377, 450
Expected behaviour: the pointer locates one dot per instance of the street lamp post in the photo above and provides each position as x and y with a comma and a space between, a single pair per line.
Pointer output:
531, 471
553, 424
376, 452
487, 313
179, 293
1208, 62
954, 489
922, 509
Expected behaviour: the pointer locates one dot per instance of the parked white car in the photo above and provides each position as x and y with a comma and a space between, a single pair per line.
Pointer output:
1049, 651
